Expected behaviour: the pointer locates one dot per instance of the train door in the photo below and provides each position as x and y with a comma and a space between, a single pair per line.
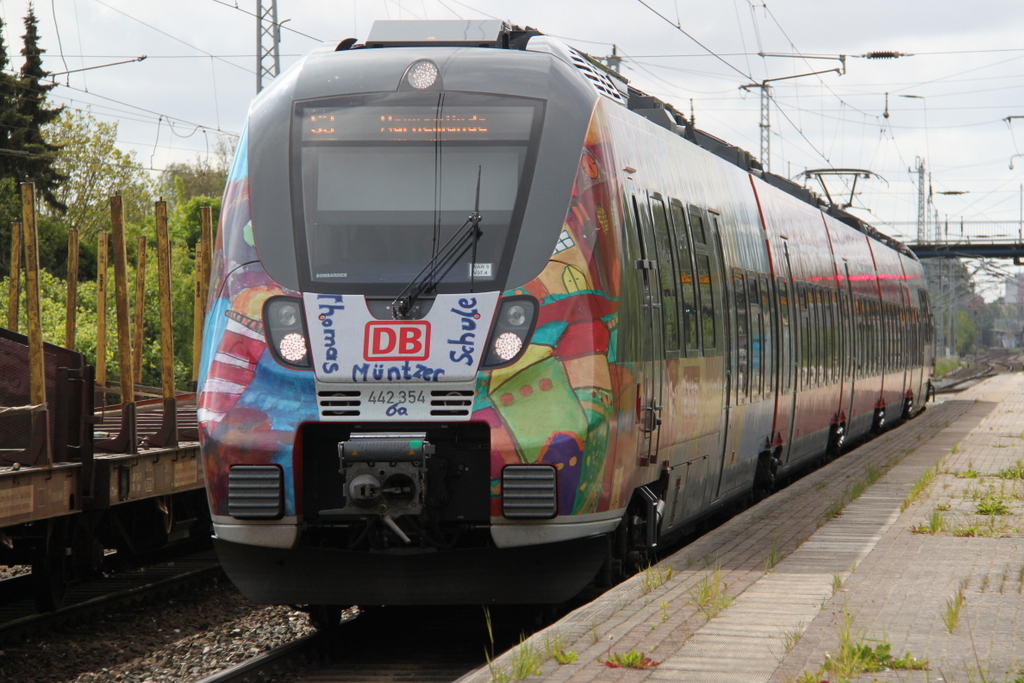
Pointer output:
649, 365
707, 251
849, 352
788, 391
906, 344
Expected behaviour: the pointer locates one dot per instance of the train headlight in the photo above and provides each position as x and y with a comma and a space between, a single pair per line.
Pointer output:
422, 74
285, 328
515, 315
293, 347
287, 314
512, 327
507, 346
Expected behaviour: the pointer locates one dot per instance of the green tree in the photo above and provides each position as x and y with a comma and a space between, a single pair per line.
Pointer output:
95, 169
204, 176
11, 124
38, 162
186, 221
966, 331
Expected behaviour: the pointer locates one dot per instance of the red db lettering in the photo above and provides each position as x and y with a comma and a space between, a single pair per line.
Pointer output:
397, 341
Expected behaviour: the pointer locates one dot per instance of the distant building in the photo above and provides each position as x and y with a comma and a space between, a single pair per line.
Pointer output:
1015, 290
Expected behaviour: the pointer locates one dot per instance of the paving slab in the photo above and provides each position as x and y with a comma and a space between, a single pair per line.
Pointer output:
876, 567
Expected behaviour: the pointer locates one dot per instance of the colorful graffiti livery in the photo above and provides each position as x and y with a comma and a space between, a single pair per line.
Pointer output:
461, 364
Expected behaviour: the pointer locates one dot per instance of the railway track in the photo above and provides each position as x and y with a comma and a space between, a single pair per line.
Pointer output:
418, 645
19, 615
984, 366
413, 645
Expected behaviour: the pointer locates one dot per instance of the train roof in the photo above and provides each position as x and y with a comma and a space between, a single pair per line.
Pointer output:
498, 34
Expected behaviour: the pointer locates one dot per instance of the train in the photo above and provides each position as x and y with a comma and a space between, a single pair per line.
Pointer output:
487, 324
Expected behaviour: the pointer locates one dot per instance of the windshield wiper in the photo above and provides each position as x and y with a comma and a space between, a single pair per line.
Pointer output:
437, 268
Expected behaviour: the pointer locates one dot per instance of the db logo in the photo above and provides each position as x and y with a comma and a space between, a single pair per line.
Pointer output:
397, 341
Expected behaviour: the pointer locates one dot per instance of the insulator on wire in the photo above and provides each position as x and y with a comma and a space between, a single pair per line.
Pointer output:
884, 54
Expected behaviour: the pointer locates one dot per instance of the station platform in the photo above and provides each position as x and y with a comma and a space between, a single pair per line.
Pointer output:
868, 551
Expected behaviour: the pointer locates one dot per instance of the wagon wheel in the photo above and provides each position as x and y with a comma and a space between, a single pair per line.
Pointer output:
50, 569
908, 407
836, 441
325, 618
764, 476
878, 424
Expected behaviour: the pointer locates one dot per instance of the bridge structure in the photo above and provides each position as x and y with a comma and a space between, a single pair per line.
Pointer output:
965, 239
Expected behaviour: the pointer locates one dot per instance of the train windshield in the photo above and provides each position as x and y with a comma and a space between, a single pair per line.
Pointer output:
388, 179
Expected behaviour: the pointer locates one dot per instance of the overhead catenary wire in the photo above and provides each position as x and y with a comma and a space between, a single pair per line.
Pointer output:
171, 36
280, 24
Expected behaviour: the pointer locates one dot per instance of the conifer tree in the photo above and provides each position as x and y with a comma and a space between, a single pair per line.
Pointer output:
37, 162
10, 155
11, 124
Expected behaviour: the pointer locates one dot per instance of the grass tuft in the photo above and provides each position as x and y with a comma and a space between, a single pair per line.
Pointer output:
791, 638
856, 655
554, 648
630, 660
936, 524
951, 613
991, 505
655, 576
774, 555
709, 594
919, 487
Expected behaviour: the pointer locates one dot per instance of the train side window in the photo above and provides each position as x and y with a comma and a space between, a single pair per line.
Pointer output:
873, 352
833, 336
906, 336
786, 369
918, 336
879, 338
897, 318
808, 300
640, 240
697, 225
869, 329
883, 337
927, 331
872, 338
837, 335
708, 320
856, 349
740, 290
819, 333
813, 327
869, 348
842, 353
768, 314
888, 348
687, 282
897, 337
803, 334
756, 344
901, 361
667, 276
890, 337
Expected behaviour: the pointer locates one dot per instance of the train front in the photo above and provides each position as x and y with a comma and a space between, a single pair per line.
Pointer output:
387, 417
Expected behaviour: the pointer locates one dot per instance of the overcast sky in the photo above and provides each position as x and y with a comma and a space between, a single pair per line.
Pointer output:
948, 101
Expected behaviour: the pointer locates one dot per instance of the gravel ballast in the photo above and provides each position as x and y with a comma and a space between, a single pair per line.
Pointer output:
183, 638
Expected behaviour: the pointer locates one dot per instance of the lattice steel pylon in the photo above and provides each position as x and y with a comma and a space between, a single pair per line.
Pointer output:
268, 42
766, 124
922, 205
766, 127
